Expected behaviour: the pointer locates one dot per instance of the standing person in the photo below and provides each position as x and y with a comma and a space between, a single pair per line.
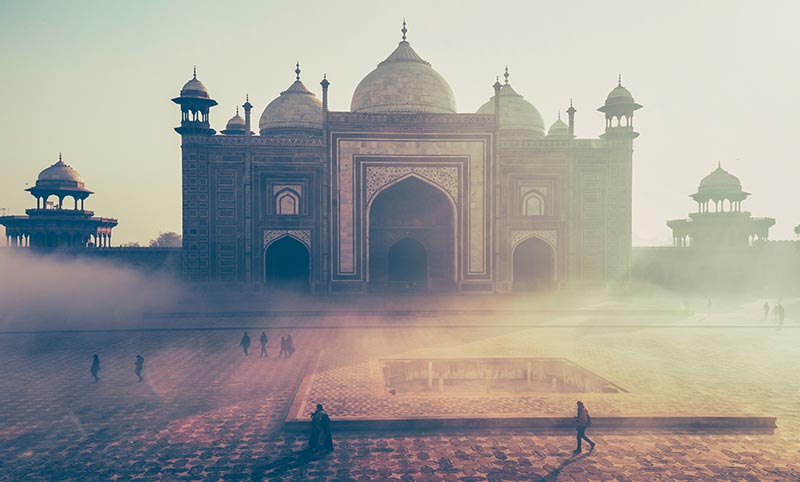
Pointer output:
780, 314
289, 345
766, 311
320, 430
283, 347
263, 341
775, 310
95, 367
245, 344
583, 421
139, 367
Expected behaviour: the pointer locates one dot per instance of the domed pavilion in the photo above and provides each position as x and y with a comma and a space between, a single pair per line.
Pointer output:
719, 220
60, 219
402, 192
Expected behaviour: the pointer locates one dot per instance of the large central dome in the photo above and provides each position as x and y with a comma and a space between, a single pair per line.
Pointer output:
404, 82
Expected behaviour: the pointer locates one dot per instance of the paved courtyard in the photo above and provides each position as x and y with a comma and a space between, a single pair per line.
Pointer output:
205, 412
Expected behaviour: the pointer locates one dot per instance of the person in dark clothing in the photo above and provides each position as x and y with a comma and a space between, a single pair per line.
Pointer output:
582, 422
139, 367
95, 367
263, 341
289, 346
245, 344
321, 437
283, 348
766, 311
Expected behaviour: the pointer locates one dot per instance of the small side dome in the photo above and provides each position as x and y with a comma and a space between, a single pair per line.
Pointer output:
194, 88
60, 176
720, 184
235, 126
518, 117
720, 179
559, 130
296, 111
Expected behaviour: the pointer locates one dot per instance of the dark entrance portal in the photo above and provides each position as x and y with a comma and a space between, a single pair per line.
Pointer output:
408, 265
534, 266
411, 238
287, 265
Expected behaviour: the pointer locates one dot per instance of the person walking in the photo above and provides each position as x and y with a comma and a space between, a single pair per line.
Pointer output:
95, 368
766, 311
289, 346
263, 341
583, 421
283, 348
245, 344
139, 367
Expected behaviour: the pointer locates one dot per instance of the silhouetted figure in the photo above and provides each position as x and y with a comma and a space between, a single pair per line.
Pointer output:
775, 311
780, 313
582, 422
283, 347
263, 341
245, 344
95, 368
289, 346
321, 437
766, 311
139, 367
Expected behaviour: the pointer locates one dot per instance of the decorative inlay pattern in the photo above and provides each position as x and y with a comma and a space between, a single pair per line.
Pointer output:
294, 187
548, 236
302, 235
380, 176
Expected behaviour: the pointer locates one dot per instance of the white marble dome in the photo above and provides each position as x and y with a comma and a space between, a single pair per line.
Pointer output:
559, 130
517, 115
296, 109
404, 83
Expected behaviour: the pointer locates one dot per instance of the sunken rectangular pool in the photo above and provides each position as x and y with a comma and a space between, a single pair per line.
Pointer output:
491, 375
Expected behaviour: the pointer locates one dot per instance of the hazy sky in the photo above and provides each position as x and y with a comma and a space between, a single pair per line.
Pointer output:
720, 81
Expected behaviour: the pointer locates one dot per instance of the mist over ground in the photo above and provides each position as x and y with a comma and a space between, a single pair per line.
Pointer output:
69, 292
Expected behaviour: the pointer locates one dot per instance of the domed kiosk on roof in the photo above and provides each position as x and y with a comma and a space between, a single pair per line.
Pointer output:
559, 130
719, 220
403, 83
236, 126
518, 117
59, 219
296, 111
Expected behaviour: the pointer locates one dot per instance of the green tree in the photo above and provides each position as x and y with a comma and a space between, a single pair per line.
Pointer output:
167, 240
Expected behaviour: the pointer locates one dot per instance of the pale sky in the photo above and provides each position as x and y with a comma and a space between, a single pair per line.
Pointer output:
720, 81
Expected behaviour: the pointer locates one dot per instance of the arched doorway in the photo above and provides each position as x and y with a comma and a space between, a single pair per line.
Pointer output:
534, 266
411, 238
407, 265
287, 265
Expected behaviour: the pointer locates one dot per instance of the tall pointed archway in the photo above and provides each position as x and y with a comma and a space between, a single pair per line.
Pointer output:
412, 238
534, 266
287, 265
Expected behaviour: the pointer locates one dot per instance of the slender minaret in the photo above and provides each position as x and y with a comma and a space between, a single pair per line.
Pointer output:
571, 113
247, 107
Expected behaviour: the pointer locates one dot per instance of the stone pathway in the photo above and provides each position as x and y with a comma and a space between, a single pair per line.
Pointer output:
205, 412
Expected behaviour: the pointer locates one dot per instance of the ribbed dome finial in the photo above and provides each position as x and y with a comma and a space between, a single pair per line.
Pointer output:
404, 30
619, 80
297, 70
194, 72
506, 75
59, 157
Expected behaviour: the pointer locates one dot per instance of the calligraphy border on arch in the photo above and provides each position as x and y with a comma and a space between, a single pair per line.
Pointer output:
379, 176
302, 235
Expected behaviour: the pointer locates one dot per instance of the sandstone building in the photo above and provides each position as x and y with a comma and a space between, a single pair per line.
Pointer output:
403, 191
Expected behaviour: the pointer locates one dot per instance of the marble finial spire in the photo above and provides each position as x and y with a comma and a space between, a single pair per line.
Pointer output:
404, 30
297, 70
619, 80
506, 75
194, 72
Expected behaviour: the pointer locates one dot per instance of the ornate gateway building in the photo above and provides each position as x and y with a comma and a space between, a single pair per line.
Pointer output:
403, 192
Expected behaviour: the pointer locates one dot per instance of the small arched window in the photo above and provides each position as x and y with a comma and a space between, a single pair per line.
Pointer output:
287, 203
533, 204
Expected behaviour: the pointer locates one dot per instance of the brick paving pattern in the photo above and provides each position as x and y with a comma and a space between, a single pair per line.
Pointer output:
205, 412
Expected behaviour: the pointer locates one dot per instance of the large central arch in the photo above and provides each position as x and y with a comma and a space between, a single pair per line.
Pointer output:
411, 223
